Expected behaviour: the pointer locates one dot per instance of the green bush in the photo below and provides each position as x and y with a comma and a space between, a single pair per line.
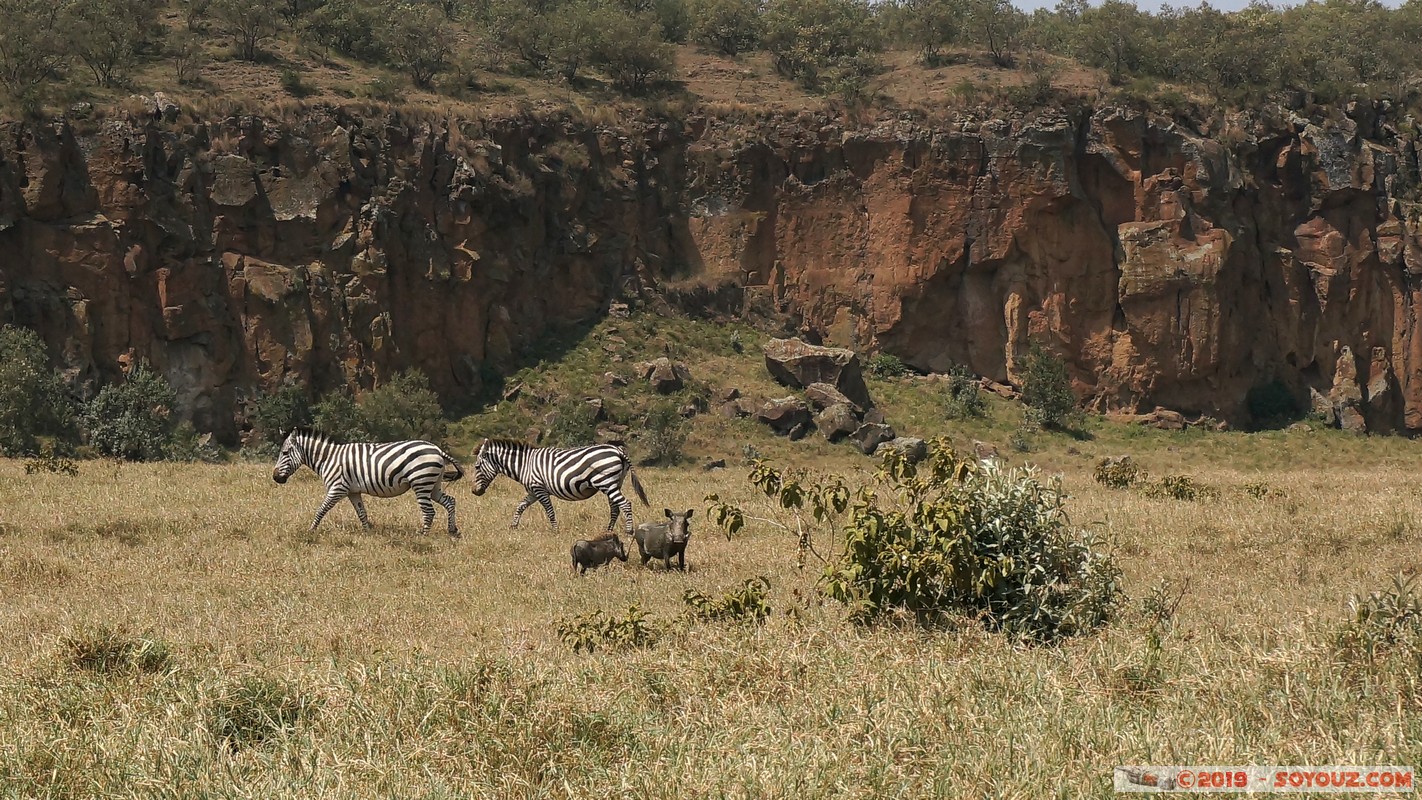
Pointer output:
574, 424
730, 27
663, 435
51, 462
965, 395
1381, 623
1046, 388
1181, 487
248, 24
349, 27
1119, 473
593, 630
630, 50
885, 365
402, 408
33, 400
745, 603
132, 420
953, 536
275, 414
419, 41
186, 444
814, 41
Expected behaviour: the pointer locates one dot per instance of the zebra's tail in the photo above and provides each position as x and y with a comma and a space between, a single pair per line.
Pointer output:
452, 470
636, 484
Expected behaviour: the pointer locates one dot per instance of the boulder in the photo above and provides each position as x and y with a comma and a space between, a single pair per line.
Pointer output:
794, 363
913, 449
822, 396
740, 407
1164, 419
728, 394
875, 417
665, 375
612, 380
837, 421
784, 415
719, 463
868, 436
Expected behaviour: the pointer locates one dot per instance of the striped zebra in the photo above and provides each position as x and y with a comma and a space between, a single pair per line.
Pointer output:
567, 474
381, 470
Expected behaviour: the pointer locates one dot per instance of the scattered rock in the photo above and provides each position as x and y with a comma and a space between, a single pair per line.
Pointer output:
875, 417
612, 380
822, 396
1163, 419
665, 375
728, 394
740, 407
513, 392
611, 434
619, 311
1000, 389
984, 450
868, 436
719, 463
799, 432
784, 415
599, 413
912, 448
796, 364
688, 411
837, 421
1346, 396
1300, 427
533, 435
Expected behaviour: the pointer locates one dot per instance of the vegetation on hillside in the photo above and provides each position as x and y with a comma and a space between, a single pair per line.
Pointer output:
56, 52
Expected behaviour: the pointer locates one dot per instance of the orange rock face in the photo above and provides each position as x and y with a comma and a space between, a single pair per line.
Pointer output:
1170, 267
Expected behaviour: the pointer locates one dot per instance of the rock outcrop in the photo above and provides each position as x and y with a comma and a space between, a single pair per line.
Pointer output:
1174, 264
798, 365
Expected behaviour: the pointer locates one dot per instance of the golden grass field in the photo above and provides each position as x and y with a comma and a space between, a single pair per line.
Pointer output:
433, 668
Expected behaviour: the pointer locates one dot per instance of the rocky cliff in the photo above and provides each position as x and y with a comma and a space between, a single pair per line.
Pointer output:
1170, 264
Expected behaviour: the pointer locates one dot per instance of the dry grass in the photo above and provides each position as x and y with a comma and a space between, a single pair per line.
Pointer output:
385, 664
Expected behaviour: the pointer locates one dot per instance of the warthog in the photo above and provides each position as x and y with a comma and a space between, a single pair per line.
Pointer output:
665, 539
589, 554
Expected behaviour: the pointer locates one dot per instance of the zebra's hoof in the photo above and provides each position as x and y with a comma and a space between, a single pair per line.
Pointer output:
454, 534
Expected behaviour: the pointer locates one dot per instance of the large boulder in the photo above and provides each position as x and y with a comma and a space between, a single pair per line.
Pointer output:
665, 375
798, 364
870, 435
786, 415
913, 449
837, 421
822, 396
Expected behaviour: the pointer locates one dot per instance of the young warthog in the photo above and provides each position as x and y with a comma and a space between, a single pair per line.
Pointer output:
594, 553
665, 539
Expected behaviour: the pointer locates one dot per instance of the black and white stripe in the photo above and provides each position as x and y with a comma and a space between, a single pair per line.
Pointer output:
565, 473
381, 470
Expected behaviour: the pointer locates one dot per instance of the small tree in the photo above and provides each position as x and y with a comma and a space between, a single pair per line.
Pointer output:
728, 26
248, 23
931, 25
996, 25
32, 47
194, 12
275, 414
185, 50
347, 26
575, 33
810, 39
632, 52
338, 416
132, 420
33, 400
1046, 387
108, 35
419, 41
522, 27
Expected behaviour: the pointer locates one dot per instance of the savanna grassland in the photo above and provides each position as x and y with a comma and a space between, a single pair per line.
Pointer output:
173, 630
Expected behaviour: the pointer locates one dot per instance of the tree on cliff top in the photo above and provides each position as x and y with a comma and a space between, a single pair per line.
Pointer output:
420, 41
248, 23
728, 26
822, 44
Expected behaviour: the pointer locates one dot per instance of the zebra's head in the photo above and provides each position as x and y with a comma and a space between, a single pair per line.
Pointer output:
289, 460
484, 469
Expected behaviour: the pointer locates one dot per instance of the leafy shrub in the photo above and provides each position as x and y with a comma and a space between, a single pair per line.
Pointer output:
728, 26
50, 461
1021, 439
587, 632
813, 41
292, 84
276, 413
1180, 487
1272, 405
349, 27
1260, 490
745, 603
109, 650
255, 708
33, 400
247, 23
134, 419
952, 535
630, 50
1046, 388
664, 435
573, 424
338, 416
885, 365
1382, 622
402, 408
965, 396
418, 40
186, 444
1119, 473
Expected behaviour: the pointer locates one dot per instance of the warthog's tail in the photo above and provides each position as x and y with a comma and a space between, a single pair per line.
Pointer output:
452, 470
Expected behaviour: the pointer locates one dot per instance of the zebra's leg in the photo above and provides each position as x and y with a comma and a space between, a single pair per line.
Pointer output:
522, 507
615, 512
427, 511
333, 497
447, 501
359, 504
548, 509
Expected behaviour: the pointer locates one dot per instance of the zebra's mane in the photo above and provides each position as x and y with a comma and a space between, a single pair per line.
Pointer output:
311, 433
513, 444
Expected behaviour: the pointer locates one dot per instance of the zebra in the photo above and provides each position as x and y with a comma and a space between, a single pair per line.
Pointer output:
384, 470
565, 473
